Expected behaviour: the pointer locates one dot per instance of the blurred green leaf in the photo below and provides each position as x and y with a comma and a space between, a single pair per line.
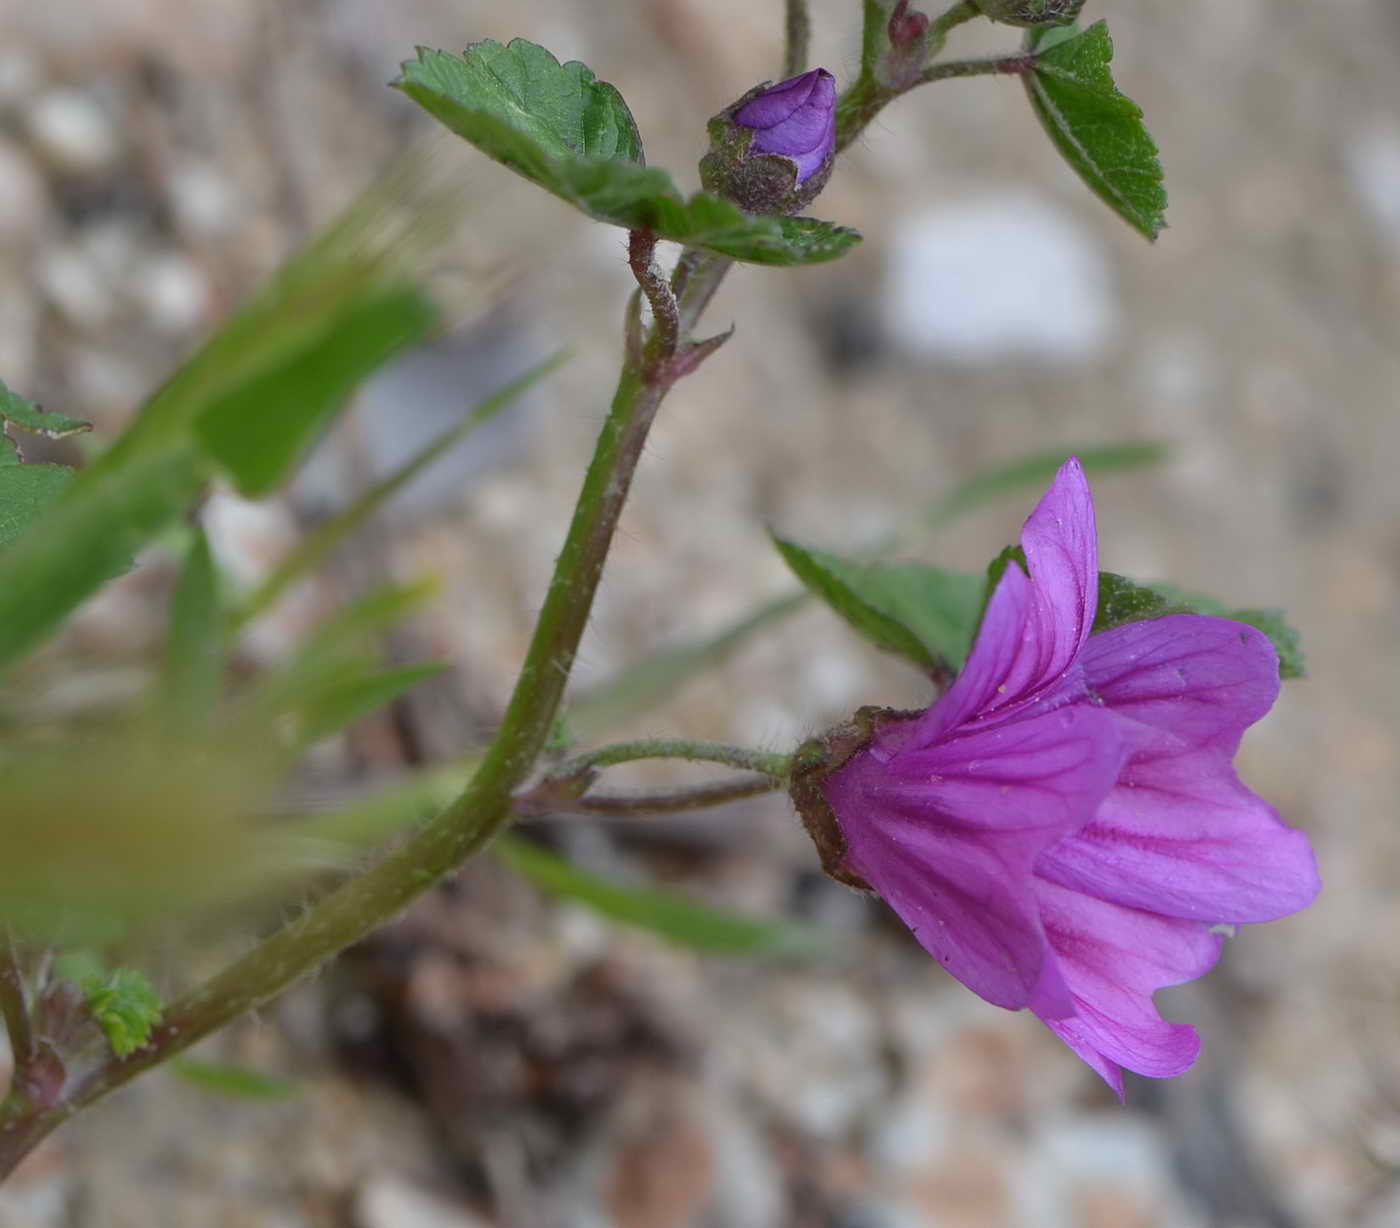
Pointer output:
25, 490
349, 280
85, 536
329, 677
194, 662
126, 1007
1034, 473
659, 912
923, 613
320, 542
106, 831
640, 688
236, 1082
561, 128
15, 410
1098, 130
258, 429
347, 699
1126, 601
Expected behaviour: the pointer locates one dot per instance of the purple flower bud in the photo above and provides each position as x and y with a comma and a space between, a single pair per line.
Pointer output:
796, 119
771, 151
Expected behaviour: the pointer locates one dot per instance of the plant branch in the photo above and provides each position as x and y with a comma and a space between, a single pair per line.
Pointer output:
878, 84
1007, 65
699, 797
798, 38
766, 762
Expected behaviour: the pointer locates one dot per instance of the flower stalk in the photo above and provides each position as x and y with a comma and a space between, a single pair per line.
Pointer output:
468, 824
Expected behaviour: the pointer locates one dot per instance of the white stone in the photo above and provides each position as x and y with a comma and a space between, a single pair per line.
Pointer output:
998, 276
172, 291
1373, 166
204, 204
72, 131
74, 287
392, 1202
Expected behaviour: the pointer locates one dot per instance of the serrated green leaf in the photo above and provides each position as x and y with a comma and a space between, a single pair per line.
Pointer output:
660, 912
561, 109
349, 698
317, 545
1098, 130
236, 1082
559, 127
1126, 601
194, 661
923, 613
24, 414
126, 1007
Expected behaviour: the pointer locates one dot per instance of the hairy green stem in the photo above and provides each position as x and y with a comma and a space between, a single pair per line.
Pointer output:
767, 762
798, 38
364, 903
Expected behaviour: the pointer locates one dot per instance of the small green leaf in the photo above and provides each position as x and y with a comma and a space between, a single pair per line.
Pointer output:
126, 1006
236, 1082
561, 128
259, 429
15, 410
923, 613
351, 697
659, 912
1098, 130
1126, 601
194, 662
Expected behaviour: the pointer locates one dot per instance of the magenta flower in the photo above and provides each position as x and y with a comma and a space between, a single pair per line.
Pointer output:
1064, 828
796, 119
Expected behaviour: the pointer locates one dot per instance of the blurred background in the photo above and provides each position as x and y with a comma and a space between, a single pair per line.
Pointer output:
498, 1058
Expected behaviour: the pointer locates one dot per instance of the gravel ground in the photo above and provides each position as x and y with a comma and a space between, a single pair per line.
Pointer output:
495, 1060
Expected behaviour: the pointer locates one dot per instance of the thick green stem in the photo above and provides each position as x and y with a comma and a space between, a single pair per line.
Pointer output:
468, 824
798, 38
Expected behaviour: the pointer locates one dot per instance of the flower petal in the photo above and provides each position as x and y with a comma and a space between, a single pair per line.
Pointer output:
1205, 680
1114, 959
1033, 629
1180, 835
948, 835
